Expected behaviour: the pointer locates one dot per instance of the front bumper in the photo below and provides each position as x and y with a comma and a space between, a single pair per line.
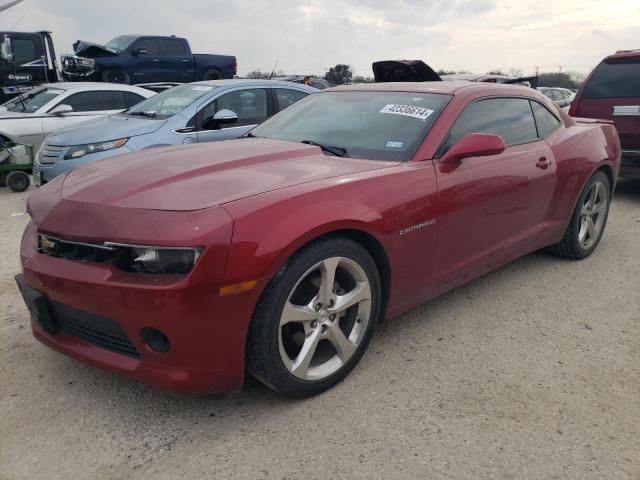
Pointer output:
98, 313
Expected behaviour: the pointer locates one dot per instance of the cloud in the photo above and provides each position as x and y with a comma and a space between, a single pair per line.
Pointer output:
311, 36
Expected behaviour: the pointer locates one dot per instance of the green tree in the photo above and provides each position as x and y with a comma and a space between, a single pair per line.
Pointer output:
340, 74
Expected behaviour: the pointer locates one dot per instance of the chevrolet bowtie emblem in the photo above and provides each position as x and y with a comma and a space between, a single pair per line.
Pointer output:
47, 243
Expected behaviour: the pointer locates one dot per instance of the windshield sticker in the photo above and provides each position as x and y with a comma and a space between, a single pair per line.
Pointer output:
408, 111
201, 89
392, 144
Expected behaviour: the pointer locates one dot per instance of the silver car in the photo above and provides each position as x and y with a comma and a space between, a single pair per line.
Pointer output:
30, 118
194, 112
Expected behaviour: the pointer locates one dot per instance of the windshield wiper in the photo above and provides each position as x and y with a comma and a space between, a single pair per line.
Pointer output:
141, 114
337, 151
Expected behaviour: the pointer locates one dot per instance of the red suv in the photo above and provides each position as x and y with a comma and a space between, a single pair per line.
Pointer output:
612, 92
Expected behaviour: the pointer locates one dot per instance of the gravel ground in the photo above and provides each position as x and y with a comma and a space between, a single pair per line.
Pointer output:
532, 371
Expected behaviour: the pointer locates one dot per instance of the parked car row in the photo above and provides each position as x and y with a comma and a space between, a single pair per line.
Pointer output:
28, 59
189, 113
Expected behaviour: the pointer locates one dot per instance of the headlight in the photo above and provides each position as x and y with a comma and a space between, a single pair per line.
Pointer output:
156, 259
82, 150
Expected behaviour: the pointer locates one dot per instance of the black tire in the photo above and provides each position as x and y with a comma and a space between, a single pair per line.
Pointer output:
17, 181
212, 74
570, 246
263, 354
112, 75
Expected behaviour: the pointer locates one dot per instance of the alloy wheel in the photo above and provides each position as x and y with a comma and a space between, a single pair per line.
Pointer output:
324, 319
592, 215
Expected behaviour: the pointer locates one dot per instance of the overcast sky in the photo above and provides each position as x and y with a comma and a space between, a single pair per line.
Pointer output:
310, 36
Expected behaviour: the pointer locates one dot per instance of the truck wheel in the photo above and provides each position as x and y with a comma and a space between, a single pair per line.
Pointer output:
213, 74
111, 75
18, 181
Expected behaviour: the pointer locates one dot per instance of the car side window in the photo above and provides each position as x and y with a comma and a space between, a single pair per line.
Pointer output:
545, 120
149, 44
95, 101
511, 118
249, 105
171, 47
24, 50
287, 97
131, 99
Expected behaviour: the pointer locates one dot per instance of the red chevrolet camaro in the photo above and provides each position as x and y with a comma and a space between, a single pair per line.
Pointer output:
183, 267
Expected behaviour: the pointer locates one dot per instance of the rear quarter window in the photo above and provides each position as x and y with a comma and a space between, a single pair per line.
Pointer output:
617, 78
545, 120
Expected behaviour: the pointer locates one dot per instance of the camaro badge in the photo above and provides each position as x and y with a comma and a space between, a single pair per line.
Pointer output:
418, 227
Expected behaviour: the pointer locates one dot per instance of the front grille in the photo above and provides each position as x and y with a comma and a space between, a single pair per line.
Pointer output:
55, 247
50, 154
100, 331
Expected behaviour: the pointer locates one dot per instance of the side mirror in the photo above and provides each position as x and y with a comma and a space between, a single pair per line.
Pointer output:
6, 51
139, 51
474, 145
225, 116
62, 109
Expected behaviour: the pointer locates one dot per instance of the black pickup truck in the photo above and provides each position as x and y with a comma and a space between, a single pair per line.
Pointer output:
136, 59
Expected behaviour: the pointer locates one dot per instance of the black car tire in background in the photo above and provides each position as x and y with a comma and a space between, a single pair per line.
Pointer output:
17, 181
112, 75
296, 288
212, 74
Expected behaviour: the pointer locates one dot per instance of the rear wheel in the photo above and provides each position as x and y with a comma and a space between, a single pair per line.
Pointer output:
315, 318
17, 181
212, 74
588, 220
112, 75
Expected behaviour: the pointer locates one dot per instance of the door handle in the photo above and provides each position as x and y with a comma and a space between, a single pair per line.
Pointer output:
185, 60
543, 163
156, 59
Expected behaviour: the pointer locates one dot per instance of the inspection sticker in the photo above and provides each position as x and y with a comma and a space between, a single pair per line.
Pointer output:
392, 144
198, 88
408, 111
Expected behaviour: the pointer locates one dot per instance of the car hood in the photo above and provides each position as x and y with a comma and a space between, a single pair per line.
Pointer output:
103, 129
91, 50
404, 71
5, 115
204, 175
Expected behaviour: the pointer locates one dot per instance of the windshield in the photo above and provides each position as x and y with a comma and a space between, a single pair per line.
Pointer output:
374, 125
170, 102
120, 43
32, 101
617, 78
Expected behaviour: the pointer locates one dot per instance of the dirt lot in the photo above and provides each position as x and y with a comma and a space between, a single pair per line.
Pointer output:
532, 371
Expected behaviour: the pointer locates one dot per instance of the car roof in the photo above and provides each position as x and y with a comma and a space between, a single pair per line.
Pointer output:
623, 54
448, 88
92, 86
241, 82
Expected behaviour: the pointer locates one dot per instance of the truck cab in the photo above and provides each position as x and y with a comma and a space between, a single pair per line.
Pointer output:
26, 60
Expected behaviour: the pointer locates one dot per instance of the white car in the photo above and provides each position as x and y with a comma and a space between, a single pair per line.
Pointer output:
28, 119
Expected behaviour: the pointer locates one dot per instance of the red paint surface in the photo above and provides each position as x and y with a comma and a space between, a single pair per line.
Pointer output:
252, 203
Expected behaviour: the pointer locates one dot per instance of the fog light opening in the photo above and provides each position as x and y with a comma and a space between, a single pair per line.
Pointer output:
155, 340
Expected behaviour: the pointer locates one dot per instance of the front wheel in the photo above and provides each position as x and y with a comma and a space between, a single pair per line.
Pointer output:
315, 318
588, 220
